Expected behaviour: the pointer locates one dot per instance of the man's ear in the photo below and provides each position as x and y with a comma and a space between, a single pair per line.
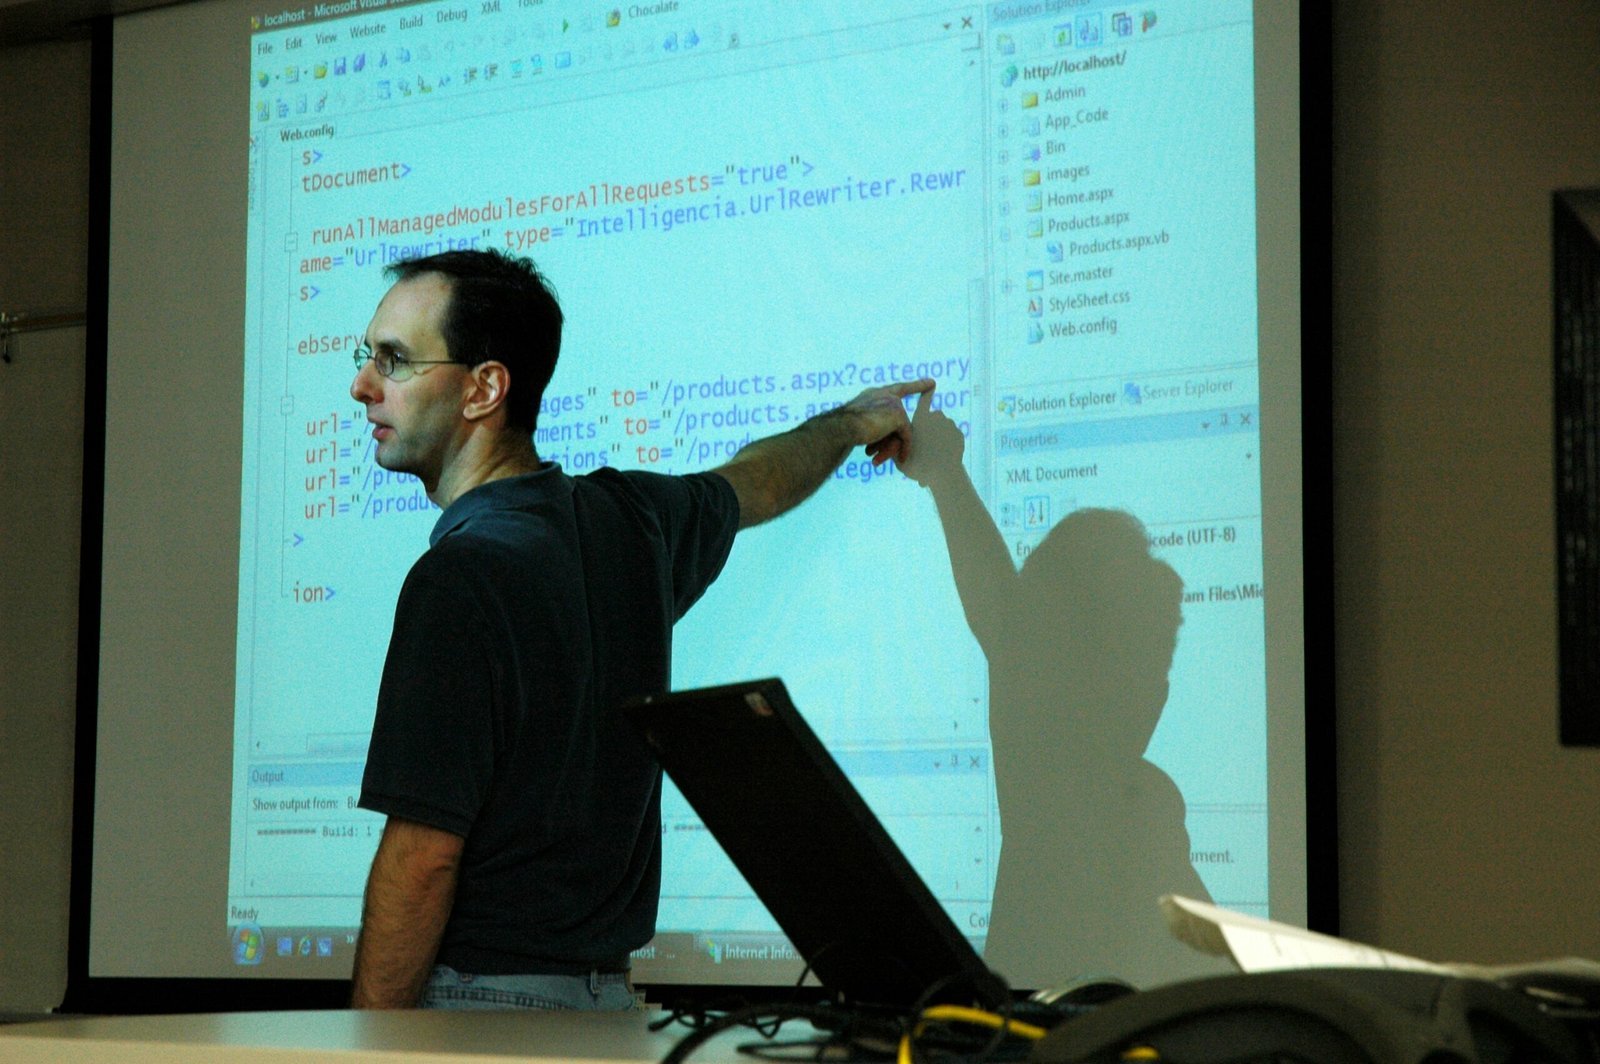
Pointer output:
489, 383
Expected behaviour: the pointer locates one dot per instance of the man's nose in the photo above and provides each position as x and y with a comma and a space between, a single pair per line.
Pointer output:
367, 385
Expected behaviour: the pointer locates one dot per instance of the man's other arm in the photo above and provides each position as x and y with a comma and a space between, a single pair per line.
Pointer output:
409, 893
773, 475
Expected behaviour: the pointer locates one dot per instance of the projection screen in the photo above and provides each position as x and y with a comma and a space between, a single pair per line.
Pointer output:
1081, 218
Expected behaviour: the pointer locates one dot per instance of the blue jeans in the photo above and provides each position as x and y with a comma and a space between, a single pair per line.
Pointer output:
595, 992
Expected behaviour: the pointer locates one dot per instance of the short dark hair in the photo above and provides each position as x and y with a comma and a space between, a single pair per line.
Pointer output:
502, 309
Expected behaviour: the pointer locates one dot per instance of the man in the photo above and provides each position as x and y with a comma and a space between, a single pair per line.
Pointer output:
520, 863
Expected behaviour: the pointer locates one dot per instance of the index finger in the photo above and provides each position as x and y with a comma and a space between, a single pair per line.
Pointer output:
901, 389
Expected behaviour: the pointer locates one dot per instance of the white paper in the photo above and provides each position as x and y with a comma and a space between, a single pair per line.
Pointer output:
1257, 945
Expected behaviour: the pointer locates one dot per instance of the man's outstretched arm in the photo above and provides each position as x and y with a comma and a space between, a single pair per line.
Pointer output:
773, 475
409, 893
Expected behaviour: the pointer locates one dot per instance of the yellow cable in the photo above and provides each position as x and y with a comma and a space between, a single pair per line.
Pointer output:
962, 1014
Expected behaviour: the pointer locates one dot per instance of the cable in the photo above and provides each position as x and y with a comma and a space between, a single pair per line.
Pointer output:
750, 1016
999, 991
881, 1031
961, 1014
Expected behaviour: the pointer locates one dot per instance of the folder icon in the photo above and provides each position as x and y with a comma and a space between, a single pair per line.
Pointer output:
1030, 99
1030, 178
1035, 228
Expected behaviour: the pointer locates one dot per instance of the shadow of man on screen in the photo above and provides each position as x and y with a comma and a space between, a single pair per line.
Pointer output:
1079, 643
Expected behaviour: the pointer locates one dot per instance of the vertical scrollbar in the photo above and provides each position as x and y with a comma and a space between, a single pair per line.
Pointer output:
979, 439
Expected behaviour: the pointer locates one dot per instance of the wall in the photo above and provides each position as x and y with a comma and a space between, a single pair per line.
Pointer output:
44, 163
1467, 832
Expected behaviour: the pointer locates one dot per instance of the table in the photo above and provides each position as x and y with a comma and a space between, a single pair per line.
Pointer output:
352, 1037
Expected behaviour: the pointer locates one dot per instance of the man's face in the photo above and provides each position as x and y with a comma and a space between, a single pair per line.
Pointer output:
414, 420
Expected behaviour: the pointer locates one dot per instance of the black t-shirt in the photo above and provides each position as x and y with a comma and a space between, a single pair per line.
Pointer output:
543, 603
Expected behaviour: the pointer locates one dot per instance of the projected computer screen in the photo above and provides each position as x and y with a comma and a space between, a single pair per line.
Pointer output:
751, 212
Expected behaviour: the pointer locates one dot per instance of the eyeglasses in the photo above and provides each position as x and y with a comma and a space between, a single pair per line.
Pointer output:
396, 367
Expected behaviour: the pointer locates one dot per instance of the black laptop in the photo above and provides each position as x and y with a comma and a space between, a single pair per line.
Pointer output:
804, 839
